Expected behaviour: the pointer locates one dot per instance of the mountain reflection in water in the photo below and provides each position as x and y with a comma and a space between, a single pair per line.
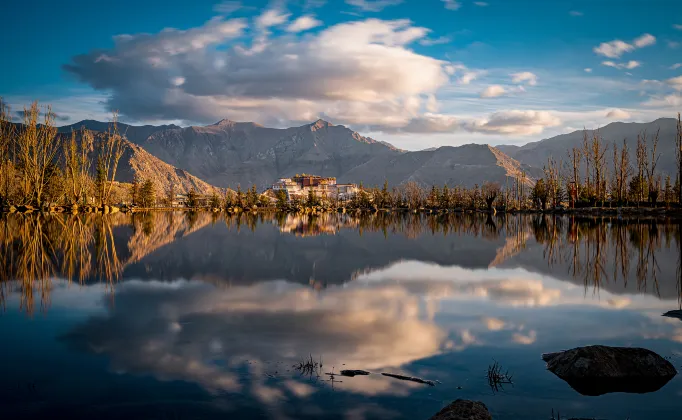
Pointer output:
230, 304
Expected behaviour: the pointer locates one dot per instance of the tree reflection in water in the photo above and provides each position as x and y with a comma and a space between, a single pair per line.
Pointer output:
82, 248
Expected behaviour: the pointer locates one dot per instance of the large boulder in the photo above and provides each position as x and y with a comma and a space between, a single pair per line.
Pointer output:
464, 410
597, 370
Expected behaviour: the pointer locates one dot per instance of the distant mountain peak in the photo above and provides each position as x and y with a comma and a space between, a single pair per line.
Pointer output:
224, 121
234, 124
319, 124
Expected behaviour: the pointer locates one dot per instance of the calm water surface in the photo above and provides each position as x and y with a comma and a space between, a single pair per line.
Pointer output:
179, 315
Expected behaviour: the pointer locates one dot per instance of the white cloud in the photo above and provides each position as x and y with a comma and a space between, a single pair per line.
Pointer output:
678, 27
493, 91
272, 17
452, 4
469, 77
432, 103
524, 339
481, 3
304, 23
514, 122
354, 73
675, 82
629, 65
465, 75
373, 5
431, 123
674, 100
675, 66
427, 42
616, 48
645, 41
613, 49
494, 324
575, 13
618, 114
673, 44
169, 43
227, 7
588, 70
525, 76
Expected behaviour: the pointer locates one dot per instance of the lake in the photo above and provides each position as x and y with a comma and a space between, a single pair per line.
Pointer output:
198, 315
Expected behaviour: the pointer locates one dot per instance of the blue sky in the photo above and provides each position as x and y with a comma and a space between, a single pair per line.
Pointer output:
415, 73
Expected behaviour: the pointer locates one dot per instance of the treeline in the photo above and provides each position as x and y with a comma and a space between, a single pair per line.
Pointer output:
586, 178
405, 196
39, 167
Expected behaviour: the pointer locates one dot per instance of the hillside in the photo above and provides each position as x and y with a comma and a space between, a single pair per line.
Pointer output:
137, 163
464, 165
536, 153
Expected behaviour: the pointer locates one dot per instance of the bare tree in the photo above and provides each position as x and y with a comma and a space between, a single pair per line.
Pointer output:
170, 195
111, 148
642, 165
414, 194
490, 191
622, 170
678, 155
587, 154
575, 156
653, 182
77, 164
7, 142
598, 166
553, 181
37, 148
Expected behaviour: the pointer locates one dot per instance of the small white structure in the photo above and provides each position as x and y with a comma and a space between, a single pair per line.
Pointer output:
291, 188
346, 191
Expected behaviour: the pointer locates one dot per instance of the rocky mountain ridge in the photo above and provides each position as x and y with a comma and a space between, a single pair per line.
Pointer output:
230, 154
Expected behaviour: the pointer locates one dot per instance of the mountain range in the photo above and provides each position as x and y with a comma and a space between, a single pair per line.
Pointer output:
229, 154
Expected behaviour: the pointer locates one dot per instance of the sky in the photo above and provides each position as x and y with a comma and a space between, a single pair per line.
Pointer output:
418, 74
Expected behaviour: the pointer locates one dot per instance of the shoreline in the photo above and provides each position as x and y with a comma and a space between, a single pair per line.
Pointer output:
317, 210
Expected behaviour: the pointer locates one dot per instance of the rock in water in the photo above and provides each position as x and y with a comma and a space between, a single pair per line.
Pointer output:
597, 370
674, 314
463, 410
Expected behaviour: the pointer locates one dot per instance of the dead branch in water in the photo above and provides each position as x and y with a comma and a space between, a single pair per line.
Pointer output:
410, 378
497, 379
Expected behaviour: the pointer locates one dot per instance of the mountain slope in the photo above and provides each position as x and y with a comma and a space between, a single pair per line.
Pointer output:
464, 165
138, 164
229, 154
536, 153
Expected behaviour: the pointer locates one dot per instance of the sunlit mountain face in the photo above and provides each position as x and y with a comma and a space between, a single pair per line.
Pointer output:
202, 314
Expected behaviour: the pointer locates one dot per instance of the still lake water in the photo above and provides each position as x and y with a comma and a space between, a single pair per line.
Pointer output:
173, 316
